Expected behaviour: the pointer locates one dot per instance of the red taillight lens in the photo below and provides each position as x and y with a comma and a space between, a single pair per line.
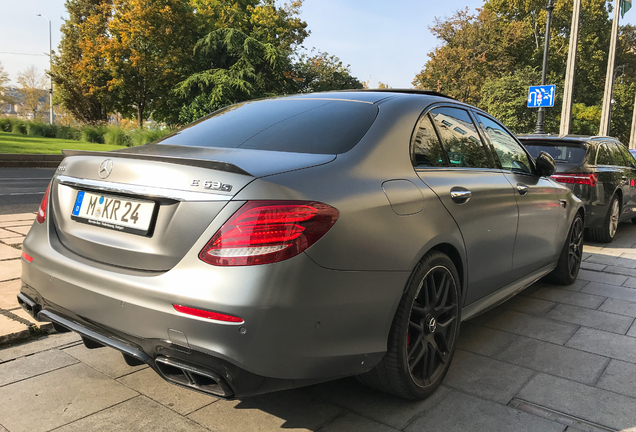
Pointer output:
27, 257
584, 179
207, 314
41, 216
263, 232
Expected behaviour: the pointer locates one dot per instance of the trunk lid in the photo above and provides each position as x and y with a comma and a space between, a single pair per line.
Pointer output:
97, 198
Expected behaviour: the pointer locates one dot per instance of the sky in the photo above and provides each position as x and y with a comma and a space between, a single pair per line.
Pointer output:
382, 41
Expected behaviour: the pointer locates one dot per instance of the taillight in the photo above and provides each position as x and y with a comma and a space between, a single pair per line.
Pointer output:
27, 257
263, 232
584, 179
41, 216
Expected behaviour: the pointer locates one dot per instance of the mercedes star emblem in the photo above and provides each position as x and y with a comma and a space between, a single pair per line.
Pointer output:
106, 168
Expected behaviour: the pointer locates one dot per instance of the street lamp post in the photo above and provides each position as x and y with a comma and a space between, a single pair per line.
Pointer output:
548, 7
50, 67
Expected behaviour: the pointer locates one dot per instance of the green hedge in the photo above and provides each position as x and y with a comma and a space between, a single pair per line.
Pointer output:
19, 127
6, 125
92, 134
117, 136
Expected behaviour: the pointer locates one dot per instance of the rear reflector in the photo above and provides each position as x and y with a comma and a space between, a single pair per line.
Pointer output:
207, 314
41, 216
263, 232
584, 179
27, 257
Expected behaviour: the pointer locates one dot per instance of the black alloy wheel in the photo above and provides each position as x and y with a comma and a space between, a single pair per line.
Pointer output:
575, 247
432, 326
569, 263
606, 232
424, 332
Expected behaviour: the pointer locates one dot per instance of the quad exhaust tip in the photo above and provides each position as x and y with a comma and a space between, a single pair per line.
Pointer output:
205, 381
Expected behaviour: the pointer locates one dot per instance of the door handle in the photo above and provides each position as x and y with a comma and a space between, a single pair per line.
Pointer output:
460, 195
522, 189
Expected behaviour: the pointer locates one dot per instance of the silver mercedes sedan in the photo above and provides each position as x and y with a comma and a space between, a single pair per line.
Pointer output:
288, 241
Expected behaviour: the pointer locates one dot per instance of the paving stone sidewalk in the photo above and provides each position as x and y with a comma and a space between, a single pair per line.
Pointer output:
551, 359
15, 324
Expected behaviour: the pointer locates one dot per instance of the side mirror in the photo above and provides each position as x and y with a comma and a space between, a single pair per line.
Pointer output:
545, 165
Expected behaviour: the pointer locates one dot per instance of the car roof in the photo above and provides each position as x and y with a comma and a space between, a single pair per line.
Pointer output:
573, 139
371, 95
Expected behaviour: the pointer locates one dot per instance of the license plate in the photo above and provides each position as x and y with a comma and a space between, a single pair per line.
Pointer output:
116, 213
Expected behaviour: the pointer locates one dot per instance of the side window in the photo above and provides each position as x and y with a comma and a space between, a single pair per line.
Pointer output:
616, 154
509, 152
629, 159
603, 157
460, 138
426, 150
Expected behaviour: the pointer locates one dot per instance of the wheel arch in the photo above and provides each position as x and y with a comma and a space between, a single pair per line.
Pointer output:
619, 193
456, 257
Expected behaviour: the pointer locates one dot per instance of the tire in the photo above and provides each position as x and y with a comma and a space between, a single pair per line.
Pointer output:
423, 334
569, 263
606, 232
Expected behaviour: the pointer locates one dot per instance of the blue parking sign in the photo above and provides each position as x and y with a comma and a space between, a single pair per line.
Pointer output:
541, 96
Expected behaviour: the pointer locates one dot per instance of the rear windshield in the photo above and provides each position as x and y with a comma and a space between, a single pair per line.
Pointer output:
560, 153
289, 125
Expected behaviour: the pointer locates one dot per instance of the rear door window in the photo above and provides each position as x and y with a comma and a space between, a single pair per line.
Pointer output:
616, 153
603, 156
629, 159
460, 139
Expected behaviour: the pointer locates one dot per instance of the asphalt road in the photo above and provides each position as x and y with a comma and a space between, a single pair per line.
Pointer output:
21, 189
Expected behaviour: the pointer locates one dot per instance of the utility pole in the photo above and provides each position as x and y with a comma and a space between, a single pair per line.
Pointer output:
566, 110
50, 67
609, 77
548, 7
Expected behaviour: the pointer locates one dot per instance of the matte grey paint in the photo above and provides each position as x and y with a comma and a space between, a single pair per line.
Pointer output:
326, 312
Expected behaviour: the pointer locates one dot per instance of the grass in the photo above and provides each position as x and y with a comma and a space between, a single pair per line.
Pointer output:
22, 144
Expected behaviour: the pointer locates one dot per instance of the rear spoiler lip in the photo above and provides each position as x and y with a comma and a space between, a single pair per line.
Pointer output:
201, 163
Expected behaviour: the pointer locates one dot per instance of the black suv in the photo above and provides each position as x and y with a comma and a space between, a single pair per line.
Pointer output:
600, 171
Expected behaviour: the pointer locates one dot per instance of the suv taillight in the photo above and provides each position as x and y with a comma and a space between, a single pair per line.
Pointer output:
584, 179
263, 232
41, 216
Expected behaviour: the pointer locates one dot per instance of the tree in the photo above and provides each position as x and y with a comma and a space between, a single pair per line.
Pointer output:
594, 34
585, 119
243, 68
323, 72
79, 71
261, 19
622, 109
475, 48
506, 98
33, 88
4, 80
147, 53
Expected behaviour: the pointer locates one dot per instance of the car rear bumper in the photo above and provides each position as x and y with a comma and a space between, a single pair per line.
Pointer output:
301, 322
176, 364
